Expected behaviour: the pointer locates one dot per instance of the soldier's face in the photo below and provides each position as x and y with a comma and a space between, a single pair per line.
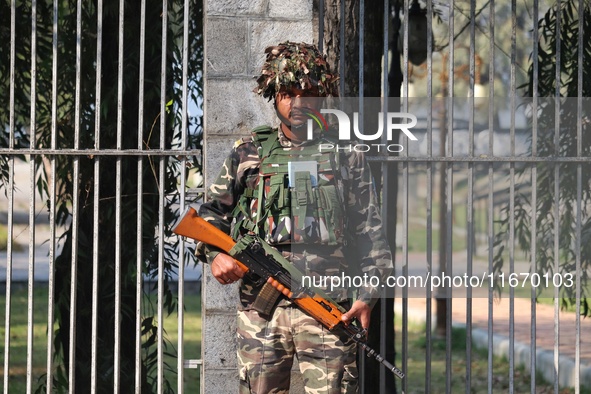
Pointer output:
291, 104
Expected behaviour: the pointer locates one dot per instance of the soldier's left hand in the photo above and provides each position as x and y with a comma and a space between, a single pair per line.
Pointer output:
359, 310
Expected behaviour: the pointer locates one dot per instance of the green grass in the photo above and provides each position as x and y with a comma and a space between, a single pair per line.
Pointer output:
3, 237
416, 341
16, 247
416, 370
417, 239
191, 340
18, 340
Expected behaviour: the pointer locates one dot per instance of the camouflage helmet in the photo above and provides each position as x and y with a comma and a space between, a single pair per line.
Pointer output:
299, 65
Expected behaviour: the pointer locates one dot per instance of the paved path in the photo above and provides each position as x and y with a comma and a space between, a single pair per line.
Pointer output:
544, 323
545, 318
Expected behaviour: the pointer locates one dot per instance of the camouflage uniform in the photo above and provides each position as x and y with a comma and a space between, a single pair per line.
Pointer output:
266, 345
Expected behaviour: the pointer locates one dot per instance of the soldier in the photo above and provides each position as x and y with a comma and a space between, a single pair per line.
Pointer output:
313, 217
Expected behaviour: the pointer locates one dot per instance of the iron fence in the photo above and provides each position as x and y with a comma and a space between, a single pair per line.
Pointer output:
95, 172
439, 190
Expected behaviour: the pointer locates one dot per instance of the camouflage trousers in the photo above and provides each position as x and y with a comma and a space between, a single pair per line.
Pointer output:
266, 348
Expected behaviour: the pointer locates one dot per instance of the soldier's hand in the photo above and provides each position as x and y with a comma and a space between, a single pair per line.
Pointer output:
225, 269
359, 310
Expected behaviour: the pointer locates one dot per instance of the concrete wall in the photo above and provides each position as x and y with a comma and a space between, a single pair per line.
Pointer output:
236, 34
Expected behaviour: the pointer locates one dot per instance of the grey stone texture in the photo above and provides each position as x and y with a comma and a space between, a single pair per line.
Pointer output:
223, 381
236, 35
233, 108
293, 9
219, 341
236, 7
227, 46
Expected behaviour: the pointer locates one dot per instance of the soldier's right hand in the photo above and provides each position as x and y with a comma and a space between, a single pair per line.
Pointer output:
225, 269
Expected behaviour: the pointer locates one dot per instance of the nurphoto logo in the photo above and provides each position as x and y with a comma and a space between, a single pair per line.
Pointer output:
393, 121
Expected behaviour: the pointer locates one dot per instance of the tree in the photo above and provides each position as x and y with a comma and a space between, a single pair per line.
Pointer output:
150, 133
555, 209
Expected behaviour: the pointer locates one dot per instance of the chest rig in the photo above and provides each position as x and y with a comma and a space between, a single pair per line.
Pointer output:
287, 205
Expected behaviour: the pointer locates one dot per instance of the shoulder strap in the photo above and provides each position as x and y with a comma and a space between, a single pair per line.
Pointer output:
264, 138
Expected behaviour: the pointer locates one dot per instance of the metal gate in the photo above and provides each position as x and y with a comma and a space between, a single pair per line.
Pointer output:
99, 153
493, 195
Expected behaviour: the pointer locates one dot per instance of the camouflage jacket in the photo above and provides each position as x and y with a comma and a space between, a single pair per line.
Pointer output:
367, 251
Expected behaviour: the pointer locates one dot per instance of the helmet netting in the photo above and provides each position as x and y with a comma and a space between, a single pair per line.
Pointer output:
298, 65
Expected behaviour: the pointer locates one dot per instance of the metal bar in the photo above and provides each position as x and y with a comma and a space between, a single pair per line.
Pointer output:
415, 159
32, 135
204, 171
96, 200
361, 358
556, 269
342, 50
193, 364
449, 202
557, 199
75, 209
534, 201
90, 153
361, 48
161, 280
52, 202
181, 274
160, 330
579, 205
470, 213
139, 278
512, 201
139, 221
118, 181
495, 159
405, 186
385, 94
429, 256
10, 193
95, 275
490, 198
7, 315
476, 159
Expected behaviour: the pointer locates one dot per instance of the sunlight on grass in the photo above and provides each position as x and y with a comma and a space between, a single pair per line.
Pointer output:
417, 374
18, 340
415, 368
191, 340
19, 335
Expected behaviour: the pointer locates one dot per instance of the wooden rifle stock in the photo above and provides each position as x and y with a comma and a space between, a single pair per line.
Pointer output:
193, 226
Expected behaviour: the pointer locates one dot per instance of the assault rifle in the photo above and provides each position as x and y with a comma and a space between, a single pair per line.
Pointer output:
265, 265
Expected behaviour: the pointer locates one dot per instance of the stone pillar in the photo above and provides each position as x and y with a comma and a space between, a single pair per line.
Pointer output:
236, 34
